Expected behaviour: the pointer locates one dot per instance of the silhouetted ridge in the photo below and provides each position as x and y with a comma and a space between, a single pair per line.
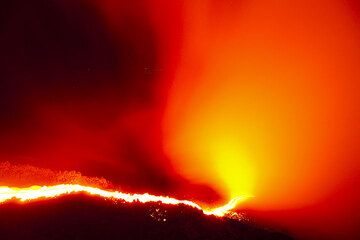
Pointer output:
83, 217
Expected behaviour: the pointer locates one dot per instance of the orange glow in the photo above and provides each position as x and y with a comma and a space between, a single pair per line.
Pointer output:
265, 98
46, 192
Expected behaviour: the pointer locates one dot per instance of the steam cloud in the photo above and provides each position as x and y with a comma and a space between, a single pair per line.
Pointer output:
26, 176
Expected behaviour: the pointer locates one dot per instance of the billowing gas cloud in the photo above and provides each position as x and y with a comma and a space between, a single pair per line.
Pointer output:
23, 175
265, 102
83, 88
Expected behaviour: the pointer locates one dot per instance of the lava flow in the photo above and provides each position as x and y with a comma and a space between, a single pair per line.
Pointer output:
46, 192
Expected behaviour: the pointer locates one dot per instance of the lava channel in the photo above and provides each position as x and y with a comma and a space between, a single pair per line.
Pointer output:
47, 192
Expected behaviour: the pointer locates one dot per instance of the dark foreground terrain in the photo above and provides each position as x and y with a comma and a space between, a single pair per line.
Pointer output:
83, 217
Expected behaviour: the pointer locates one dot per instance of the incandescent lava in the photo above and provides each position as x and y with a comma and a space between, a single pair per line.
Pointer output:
47, 192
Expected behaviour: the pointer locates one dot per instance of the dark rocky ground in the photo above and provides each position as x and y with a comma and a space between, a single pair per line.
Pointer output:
83, 217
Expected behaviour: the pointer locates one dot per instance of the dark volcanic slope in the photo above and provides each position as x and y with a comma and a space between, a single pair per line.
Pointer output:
83, 217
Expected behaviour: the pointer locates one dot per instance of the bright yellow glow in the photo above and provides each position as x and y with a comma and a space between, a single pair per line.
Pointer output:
46, 192
263, 100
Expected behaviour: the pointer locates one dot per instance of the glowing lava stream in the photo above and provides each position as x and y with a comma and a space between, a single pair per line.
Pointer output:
38, 192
